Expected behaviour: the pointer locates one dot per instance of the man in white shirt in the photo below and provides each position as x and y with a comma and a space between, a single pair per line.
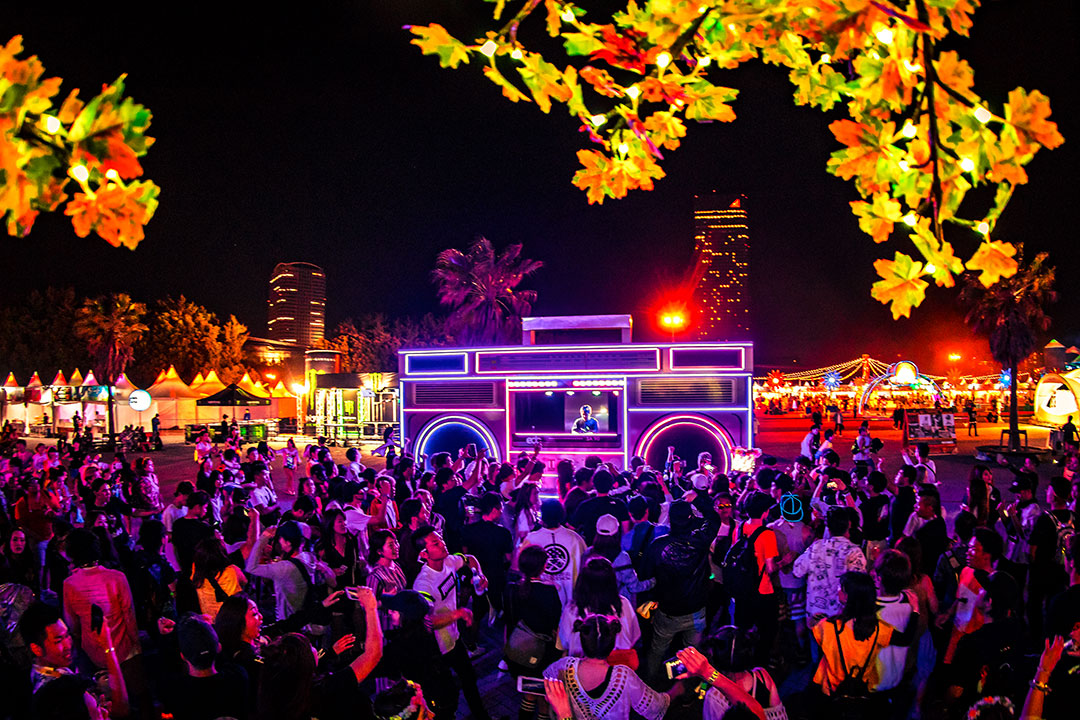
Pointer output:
922, 460
173, 512
808, 446
438, 578
356, 520
896, 605
563, 546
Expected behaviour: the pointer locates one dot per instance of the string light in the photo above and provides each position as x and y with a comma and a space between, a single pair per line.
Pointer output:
982, 114
912, 67
567, 15
598, 120
826, 59
52, 125
983, 227
663, 59
488, 49
704, 61
909, 130
931, 268
112, 174
911, 219
967, 164
903, 165
885, 35
633, 91
623, 148
80, 173
517, 54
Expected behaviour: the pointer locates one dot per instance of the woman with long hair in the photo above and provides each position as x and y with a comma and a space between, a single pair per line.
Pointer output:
20, 561
850, 642
597, 592
385, 577
608, 544
146, 495
309, 488
290, 460
982, 498
339, 550
214, 578
524, 511
531, 609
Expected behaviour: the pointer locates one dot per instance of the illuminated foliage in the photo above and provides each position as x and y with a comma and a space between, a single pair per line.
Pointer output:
916, 140
44, 147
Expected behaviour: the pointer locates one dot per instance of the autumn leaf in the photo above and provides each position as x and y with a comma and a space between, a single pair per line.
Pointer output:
666, 127
995, 261
900, 286
508, 88
601, 81
592, 178
876, 220
544, 80
941, 262
1029, 113
861, 159
709, 102
434, 40
116, 213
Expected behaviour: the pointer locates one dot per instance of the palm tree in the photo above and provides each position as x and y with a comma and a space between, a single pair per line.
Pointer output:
481, 289
1009, 313
110, 326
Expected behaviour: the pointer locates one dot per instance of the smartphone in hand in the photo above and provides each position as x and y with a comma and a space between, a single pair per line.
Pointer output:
530, 685
675, 668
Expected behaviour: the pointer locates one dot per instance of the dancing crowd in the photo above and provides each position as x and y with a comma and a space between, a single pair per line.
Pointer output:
830, 587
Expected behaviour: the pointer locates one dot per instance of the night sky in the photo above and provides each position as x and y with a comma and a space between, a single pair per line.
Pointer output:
313, 131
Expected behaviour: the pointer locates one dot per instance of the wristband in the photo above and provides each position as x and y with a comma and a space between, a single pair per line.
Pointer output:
1041, 687
713, 677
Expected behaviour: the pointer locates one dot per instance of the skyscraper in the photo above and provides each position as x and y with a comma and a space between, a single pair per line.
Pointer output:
297, 304
722, 275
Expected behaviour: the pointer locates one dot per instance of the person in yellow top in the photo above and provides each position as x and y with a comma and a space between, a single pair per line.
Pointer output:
850, 642
214, 577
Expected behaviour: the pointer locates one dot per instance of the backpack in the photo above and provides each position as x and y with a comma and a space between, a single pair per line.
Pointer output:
1065, 531
852, 698
639, 543
740, 568
315, 593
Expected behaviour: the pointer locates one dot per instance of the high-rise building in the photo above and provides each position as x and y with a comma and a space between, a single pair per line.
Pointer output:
297, 304
722, 253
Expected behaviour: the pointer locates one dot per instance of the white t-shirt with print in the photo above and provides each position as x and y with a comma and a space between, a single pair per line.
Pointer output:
441, 585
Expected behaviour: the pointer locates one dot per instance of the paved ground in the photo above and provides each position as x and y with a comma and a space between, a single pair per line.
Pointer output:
778, 435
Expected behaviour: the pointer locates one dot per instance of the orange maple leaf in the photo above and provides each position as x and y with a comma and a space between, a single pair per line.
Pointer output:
1029, 113
900, 285
592, 177
601, 81
995, 260
666, 128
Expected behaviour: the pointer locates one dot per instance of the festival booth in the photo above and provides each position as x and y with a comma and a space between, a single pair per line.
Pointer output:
233, 397
175, 400
349, 407
1056, 398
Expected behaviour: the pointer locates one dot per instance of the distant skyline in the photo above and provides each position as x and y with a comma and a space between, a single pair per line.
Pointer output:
315, 132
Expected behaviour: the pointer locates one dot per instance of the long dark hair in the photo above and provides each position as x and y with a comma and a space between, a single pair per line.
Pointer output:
210, 560
288, 674
978, 499
596, 589
861, 605
230, 623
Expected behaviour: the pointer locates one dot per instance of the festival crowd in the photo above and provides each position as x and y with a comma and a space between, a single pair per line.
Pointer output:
830, 587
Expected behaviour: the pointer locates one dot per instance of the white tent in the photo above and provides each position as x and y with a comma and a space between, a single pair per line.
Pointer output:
175, 400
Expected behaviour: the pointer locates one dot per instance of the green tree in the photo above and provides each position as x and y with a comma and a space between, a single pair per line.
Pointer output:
370, 343
230, 361
36, 335
480, 288
916, 136
110, 326
1009, 314
180, 333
